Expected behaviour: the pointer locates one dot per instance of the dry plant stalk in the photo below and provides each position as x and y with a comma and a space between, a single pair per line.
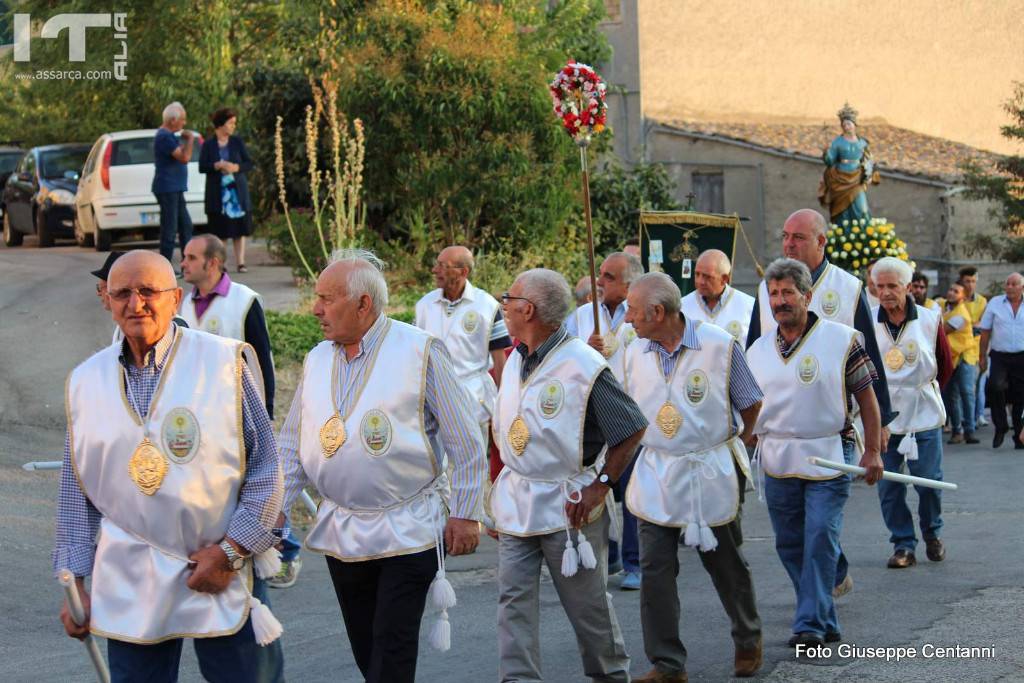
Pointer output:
338, 208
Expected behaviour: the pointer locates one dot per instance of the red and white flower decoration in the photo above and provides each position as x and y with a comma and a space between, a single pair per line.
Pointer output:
578, 97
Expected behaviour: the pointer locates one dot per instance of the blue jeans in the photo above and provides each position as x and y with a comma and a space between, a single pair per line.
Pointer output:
959, 397
630, 534
893, 495
289, 548
174, 221
807, 517
227, 659
270, 658
842, 564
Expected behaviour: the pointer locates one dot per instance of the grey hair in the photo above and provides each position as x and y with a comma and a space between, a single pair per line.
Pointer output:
582, 291
634, 267
790, 269
659, 290
173, 112
549, 293
366, 278
887, 264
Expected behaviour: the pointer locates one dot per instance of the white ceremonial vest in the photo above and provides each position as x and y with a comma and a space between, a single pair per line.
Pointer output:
804, 405
383, 495
689, 476
615, 339
225, 316
733, 315
466, 334
139, 591
528, 497
834, 297
910, 371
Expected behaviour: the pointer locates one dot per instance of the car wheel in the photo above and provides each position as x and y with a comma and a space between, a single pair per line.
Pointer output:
82, 238
43, 231
101, 238
11, 238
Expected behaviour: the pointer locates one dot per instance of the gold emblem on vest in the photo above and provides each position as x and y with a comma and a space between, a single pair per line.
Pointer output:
376, 432
551, 398
668, 419
696, 387
470, 321
807, 370
518, 435
912, 352
830, 303
147, 467
180, 432
213, 326
332, 435
734, 328
894, 358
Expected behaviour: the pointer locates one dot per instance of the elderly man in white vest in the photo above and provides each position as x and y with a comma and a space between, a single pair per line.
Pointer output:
810, 368
376, 409
183, 486
566, 431
838, 297
918, 363
468, 320
714, 300
692, 383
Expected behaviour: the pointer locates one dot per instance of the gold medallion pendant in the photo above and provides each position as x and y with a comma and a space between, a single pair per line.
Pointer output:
147, 467
332, 435
668, 419
611, 344
518, 435
894, 358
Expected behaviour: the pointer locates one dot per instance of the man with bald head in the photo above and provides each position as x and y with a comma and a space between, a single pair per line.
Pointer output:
377, 408
185, 486
468, 320
716, 302
1002, 336
691, 471
836, 296
583, 292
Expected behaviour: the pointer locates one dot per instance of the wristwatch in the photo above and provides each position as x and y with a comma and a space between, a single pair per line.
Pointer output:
235, 561
605, 479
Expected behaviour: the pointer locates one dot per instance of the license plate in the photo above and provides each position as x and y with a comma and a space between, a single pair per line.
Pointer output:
150, 217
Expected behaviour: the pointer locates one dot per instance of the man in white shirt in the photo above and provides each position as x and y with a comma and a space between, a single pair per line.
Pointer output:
714, 300
1002, 335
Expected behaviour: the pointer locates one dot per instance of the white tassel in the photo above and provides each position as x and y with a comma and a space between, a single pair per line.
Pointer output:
441, 633
265, 625
708, 542
908, 447
441, 594
268, 563
692, 535
570, 558
586, 551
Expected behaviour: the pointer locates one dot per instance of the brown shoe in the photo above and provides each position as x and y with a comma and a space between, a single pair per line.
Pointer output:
956, 438
748, 661
934, 549
902, 559
655, 676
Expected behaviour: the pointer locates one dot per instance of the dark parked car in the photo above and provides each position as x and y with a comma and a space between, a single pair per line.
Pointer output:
39, 196
9, 158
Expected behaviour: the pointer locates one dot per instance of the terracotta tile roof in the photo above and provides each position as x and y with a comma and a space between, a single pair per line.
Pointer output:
894, 149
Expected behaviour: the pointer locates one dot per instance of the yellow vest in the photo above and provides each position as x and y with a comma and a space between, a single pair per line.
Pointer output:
961, 342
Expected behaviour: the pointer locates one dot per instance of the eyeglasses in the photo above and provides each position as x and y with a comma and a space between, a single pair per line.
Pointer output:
145, 293
446, 266
506, 297
100, 288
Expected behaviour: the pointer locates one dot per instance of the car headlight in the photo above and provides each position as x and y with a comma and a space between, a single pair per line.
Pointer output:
61, 197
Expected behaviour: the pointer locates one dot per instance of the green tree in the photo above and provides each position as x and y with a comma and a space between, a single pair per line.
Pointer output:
1003, 185
618, 194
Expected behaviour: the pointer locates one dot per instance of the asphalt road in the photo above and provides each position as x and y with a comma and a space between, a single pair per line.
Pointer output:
50, 321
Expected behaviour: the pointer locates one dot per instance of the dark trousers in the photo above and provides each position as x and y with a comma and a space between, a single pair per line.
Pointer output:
630, 546
228, 659
174, 222
1006, 385
382, 603
269, 658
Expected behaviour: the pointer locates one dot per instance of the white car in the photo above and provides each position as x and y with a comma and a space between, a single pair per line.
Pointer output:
114, 196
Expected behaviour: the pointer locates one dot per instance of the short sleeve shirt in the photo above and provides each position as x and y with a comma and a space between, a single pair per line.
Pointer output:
171, 175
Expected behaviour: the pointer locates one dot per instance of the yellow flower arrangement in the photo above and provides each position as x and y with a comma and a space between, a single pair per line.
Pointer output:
877, 238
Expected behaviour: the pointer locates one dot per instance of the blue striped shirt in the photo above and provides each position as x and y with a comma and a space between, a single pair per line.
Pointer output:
743, 388
448, 415
259, 500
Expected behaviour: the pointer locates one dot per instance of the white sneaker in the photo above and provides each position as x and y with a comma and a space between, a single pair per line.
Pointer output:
982, 422
288, 575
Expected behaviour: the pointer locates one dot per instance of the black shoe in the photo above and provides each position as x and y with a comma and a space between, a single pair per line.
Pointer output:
902, 559
833, 636
808, 639
1018, 445
970, 438
934, 549
997, 440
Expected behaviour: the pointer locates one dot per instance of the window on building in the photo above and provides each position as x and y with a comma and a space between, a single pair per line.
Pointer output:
709, 191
